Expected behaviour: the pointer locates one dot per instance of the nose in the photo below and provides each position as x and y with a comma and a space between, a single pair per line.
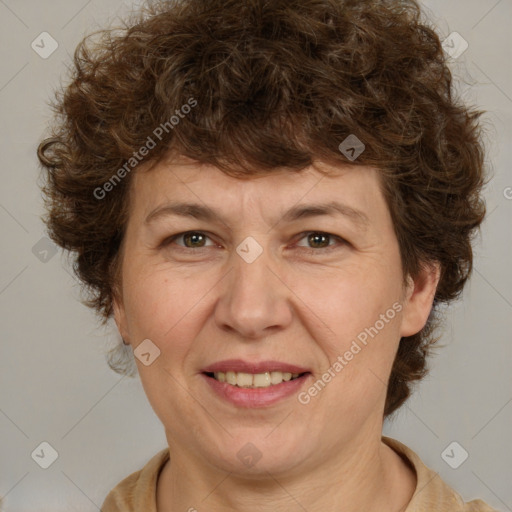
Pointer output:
254, 299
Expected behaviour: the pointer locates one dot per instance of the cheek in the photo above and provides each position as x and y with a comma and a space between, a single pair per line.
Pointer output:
351, 300
360, 313
165, 306
156, 299
168, 307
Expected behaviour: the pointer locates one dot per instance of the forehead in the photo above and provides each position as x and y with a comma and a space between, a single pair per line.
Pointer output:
172, 180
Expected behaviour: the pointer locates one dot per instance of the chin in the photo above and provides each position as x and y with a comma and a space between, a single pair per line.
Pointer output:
257, 455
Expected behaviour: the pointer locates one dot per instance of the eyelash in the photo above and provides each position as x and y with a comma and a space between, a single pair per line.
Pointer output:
310, 250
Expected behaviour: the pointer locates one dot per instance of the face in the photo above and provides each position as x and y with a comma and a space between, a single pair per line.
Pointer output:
256, 283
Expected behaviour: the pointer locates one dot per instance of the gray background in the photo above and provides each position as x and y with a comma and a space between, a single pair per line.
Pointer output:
55, 384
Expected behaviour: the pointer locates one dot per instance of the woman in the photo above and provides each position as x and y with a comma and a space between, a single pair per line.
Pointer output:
200, 156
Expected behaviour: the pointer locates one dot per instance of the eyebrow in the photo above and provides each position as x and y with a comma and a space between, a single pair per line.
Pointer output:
201, 212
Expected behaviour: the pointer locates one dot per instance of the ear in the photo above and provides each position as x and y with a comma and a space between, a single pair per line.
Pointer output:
419, 298
120, 317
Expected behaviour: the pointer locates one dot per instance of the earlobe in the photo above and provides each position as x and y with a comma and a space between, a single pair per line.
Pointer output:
419, 299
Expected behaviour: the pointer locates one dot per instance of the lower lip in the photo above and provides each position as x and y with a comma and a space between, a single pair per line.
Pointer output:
256, 397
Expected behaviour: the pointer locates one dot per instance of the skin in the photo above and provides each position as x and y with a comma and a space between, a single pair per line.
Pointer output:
199, 302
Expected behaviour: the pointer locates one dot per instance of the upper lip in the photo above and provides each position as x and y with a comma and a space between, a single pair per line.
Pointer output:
239, 365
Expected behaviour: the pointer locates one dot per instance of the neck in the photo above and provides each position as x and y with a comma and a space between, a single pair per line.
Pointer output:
366, 475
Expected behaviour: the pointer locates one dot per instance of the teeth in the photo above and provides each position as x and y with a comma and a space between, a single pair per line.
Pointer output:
258, 380
244, 380
278, 377
261, 380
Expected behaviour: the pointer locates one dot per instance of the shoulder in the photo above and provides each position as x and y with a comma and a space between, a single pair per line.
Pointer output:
138, 490
431, 492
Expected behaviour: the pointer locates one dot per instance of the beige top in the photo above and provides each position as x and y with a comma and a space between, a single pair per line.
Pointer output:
137, 492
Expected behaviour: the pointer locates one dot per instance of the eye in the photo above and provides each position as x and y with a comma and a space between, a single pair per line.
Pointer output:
319, 238
320, 241
192, 239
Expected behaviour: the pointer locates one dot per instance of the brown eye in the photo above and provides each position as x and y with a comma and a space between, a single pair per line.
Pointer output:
318, 242
194, 238
319, 239
191, 240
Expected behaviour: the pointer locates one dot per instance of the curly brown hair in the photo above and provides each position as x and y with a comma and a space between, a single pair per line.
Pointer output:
277, 84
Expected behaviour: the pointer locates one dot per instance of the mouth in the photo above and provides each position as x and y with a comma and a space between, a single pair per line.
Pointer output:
255, 390
250, 384
254, 380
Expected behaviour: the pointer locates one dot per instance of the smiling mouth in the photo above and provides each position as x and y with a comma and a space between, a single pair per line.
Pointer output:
250, 380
